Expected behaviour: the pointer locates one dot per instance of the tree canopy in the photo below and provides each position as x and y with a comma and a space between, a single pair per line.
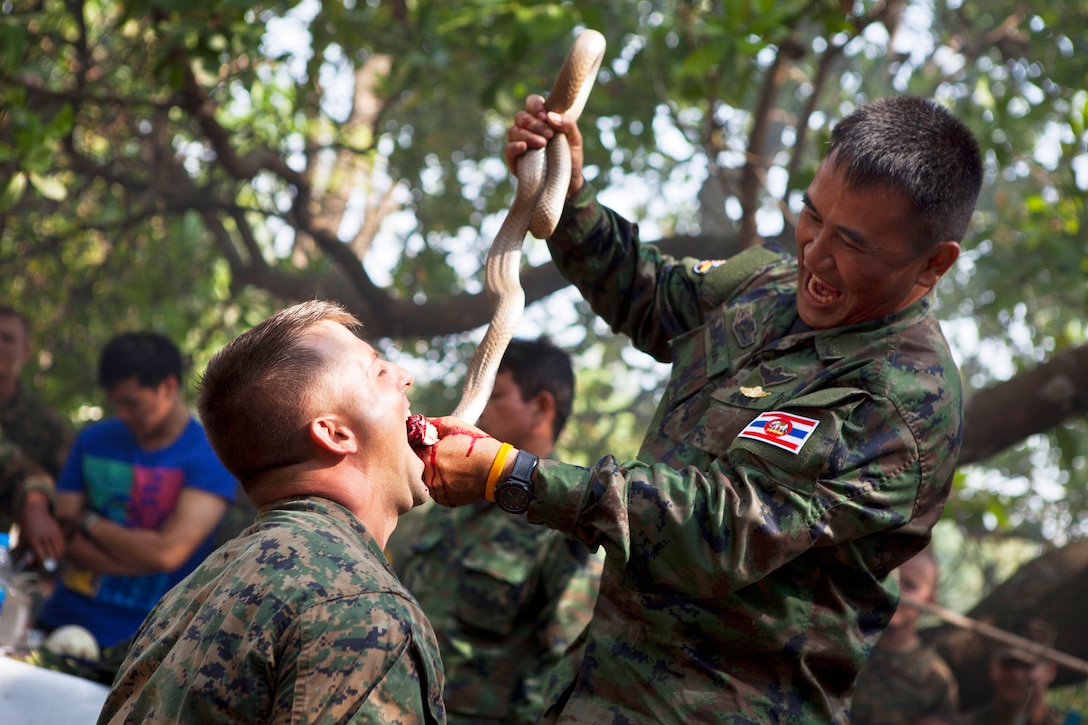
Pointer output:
190, 167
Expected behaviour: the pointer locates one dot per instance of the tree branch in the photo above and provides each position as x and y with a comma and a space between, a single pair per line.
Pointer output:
1032, 402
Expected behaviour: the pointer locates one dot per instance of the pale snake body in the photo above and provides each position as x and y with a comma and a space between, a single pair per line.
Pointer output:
543, 179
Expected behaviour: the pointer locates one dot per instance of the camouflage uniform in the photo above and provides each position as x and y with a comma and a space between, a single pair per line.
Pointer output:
505, 598
745, 582
988, 716
39, 430
298, 620
899, 688
18, 476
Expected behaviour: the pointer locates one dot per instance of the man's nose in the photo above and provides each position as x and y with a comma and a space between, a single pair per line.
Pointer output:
816, 251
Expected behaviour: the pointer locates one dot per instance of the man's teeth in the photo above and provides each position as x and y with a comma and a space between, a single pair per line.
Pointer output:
820, 291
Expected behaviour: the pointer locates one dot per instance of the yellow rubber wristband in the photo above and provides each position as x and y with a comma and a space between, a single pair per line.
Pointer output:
496, 470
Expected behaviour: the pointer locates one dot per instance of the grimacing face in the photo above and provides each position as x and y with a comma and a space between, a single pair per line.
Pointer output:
856, 253
372, 393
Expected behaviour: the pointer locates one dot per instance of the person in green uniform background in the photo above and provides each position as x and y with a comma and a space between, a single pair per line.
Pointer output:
505, 597
905, 682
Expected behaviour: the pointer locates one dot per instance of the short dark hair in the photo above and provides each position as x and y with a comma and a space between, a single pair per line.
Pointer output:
254, 399
917, 146
538, 365
149, 357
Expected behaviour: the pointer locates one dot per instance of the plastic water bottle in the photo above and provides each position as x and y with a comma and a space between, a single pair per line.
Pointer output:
14, 602
5, 565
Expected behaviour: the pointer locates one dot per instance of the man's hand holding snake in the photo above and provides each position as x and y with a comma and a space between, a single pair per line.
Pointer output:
531, 130
460, 465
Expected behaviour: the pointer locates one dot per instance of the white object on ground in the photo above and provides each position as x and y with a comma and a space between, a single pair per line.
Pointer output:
32, 695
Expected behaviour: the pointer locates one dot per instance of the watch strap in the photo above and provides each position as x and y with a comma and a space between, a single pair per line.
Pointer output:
515, 492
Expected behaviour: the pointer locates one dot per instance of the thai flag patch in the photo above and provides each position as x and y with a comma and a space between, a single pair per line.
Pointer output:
784, 430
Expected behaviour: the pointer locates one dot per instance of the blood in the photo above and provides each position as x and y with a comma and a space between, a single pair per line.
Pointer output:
437, 484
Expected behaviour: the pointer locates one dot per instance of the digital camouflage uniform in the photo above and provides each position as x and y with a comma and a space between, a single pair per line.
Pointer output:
39, 430
297, 620
18, 476
899, 688
744, 582
505, 598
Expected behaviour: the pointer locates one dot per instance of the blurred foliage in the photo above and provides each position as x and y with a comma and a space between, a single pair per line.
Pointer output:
190, 167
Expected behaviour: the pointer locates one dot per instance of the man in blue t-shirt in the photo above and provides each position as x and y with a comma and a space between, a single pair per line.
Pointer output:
140, 497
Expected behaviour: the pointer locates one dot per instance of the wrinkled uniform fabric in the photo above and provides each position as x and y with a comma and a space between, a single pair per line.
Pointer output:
19, 475
39, 430
505, 598
297, 620
137, 489
745, 583
900, 688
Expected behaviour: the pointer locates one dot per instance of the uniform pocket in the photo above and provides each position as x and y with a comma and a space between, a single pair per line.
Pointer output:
492, 587
791, 438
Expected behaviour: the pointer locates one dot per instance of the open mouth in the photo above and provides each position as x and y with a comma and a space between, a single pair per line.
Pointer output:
820, 291
421, 432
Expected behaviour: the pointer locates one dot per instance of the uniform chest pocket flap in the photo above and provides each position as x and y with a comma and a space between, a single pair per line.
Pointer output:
493, 585
789, 438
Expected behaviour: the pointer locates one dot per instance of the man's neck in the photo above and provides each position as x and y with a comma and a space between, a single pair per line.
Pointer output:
899, 640
171, 429
540, 445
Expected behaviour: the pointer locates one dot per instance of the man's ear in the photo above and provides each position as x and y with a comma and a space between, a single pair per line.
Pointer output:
331, 433
939, 260
544, 407
170, 386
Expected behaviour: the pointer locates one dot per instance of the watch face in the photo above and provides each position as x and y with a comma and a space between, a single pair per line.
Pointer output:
514, 497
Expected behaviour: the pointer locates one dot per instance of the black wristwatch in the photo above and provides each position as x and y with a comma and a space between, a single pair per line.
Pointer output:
515, 492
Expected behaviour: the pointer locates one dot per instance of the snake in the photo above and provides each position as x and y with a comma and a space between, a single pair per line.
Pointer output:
543, 179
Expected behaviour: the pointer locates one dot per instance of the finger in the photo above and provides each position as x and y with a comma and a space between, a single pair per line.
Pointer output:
526, 127
52, 547
449, 425
534, 104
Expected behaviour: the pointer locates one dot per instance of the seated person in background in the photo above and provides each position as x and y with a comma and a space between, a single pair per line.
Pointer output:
42, 434
1020, 680
141, 495
904, 682
299, 618
505, 597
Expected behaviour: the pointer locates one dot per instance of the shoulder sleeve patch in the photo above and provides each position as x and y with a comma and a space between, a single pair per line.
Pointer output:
718, 280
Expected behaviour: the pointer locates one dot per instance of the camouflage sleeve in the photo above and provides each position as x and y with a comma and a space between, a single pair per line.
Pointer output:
704, 533
19, 475
649, 296
574, 589
372, 671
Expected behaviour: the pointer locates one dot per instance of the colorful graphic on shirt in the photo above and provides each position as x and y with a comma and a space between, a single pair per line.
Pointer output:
138, 497
784, 430
134, 495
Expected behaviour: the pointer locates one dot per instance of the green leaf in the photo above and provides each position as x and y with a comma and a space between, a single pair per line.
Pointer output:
13, 191
49, 186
